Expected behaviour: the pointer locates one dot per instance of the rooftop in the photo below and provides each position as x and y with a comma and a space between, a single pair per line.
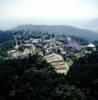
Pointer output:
58, 63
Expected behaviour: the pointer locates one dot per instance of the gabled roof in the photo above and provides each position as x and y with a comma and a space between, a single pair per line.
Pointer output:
57, 62
91, 45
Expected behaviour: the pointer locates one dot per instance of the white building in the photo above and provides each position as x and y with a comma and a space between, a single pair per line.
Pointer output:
91, 46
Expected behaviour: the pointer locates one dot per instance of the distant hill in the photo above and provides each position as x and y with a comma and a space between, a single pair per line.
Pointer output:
60, 29
91, 25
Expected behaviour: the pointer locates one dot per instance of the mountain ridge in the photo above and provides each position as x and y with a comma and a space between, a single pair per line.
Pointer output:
91, 25
60, 29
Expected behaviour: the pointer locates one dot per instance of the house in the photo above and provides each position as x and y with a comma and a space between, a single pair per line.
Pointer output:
35, 41
27, 41
28, 45
48, 51
72, 46
58, 63
91, 47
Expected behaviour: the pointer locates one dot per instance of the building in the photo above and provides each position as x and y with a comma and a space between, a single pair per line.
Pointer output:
91, 47
58, 63
72, 46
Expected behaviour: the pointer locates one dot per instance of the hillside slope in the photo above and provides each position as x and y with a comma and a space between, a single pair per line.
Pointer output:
60, 29
91, 25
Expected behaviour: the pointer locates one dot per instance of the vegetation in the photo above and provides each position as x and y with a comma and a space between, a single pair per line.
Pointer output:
60, 29
84, 75
33, 78
6, 43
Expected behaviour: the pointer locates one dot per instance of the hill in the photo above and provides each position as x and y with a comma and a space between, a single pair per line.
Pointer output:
60, 29
91, 25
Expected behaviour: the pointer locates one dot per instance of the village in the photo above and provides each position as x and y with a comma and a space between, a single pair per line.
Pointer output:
51, 49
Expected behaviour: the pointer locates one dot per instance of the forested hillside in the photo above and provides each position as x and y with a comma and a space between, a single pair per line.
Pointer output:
33, 78
60, 29
6, 42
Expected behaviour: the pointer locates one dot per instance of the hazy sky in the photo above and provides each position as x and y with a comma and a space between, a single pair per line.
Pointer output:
15, 12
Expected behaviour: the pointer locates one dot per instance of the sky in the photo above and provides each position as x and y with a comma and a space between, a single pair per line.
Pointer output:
50, 12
